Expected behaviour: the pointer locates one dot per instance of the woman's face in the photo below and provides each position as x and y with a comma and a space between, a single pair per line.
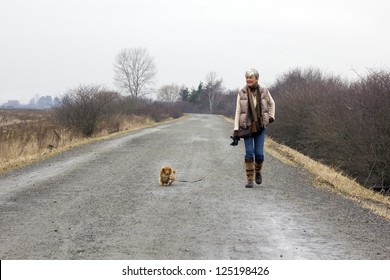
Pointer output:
251, 80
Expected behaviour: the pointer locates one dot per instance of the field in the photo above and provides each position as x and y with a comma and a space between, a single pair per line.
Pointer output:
30, 135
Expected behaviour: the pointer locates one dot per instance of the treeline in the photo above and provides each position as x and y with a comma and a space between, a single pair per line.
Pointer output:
210, 96
341, 123
88, 108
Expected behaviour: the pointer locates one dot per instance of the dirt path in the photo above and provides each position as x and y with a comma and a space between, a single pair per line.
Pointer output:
103, 201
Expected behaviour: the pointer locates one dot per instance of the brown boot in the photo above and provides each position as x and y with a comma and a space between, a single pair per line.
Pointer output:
258, 166
250, 170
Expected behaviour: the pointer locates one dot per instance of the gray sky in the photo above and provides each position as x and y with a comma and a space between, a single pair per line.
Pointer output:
49, 46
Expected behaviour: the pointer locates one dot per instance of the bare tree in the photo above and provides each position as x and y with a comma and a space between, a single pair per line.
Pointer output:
169, 93
135, 71
213, 91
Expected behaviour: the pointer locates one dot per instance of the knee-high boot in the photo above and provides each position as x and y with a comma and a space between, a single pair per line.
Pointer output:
250, 170
258, 166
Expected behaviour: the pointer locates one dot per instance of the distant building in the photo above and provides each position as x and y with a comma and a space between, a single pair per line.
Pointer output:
43, 102
12, 104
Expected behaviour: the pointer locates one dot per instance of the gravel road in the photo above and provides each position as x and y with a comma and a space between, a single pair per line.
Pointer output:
103, 201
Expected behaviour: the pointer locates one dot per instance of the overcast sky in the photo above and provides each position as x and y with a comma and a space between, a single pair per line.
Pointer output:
50, 46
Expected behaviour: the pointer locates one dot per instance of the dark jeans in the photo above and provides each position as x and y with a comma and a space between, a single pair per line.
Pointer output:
254, 146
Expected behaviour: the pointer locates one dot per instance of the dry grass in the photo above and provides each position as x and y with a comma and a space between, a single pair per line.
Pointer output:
330, 179
27, 136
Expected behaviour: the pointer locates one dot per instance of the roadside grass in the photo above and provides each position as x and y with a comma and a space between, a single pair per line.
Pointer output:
29, 136
330, 179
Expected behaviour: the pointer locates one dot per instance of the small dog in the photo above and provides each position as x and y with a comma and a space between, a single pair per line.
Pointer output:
167, 175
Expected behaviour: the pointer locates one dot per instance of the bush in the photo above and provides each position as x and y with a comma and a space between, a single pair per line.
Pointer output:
343, 124
83, 108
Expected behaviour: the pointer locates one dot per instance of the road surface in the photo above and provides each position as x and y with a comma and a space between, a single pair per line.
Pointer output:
103, 201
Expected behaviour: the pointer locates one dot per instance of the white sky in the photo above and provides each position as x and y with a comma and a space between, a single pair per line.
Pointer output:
49, 46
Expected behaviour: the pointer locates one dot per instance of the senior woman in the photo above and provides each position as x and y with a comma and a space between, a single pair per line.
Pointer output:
255, 109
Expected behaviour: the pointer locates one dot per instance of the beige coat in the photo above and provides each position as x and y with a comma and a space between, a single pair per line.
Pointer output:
242, 118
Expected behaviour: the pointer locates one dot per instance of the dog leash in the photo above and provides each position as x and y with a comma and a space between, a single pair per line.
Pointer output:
202, 178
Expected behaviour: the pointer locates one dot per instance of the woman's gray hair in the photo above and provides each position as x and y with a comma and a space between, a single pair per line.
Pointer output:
252, 72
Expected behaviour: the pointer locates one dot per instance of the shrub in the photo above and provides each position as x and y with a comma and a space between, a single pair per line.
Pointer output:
343, 124
85, 107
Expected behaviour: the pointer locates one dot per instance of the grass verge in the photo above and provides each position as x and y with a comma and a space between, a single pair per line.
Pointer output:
35, 156
327, 178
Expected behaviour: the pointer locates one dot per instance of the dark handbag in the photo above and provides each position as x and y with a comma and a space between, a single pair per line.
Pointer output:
244, 132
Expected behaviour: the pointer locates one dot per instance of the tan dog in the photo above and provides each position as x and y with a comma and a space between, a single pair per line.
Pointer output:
167, 175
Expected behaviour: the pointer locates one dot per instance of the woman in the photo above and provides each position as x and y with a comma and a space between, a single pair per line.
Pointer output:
255, 108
